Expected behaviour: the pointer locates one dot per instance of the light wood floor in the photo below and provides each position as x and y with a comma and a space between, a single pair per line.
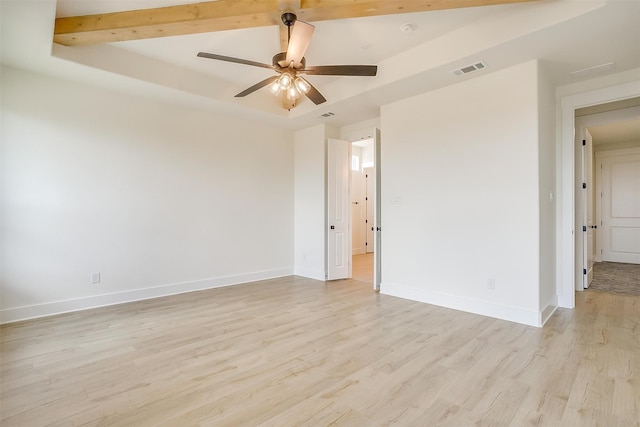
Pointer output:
294, 351
362, 268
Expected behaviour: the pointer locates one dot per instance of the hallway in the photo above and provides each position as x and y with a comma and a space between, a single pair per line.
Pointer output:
363, 267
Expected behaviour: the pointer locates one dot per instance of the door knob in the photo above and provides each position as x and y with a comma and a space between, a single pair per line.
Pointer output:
333, 227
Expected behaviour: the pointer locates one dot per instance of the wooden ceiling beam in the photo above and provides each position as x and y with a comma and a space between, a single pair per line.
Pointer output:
223, 15
191, 18
323, 10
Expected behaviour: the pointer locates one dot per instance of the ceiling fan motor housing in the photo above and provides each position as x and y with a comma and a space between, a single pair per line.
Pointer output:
280, 58
289, 18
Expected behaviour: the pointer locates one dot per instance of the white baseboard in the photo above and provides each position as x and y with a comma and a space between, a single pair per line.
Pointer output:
310, 273
546, 313
358, 251
484, 308
77, 304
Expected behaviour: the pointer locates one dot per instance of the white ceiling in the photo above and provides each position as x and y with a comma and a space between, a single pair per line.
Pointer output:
621, 121
566, 35
623, 131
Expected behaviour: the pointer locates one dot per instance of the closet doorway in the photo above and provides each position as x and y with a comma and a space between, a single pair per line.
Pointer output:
363, 180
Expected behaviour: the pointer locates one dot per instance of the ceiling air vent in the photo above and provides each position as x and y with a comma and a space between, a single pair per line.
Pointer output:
329, 114
470, 68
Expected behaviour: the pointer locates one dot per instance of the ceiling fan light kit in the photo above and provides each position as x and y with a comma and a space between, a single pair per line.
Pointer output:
302, 85
291, 63
294, 88
285, 81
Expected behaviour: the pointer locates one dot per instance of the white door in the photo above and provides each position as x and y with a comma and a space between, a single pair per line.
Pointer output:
587, 210
358, 208
338, 210
621, 208
370, 177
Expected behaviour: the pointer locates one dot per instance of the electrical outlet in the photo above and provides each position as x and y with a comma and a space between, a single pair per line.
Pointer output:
95, 278
491, 284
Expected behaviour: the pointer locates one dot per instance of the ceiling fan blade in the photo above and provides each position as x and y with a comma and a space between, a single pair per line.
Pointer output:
299, 42
255, 87
236, 60
342, 70
314, 95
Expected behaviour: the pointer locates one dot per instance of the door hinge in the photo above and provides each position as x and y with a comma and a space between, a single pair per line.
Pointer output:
584, 271
584, 142
584, 228
584, 185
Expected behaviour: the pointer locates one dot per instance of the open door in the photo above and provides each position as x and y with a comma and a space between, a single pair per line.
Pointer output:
338, 210
377, 223
369, 203
587, 210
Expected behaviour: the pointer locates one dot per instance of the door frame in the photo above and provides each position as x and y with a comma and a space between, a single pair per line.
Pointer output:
373, 132
377, 212
566, 181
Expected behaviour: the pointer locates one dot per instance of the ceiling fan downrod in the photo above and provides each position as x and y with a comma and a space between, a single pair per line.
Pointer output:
288, 19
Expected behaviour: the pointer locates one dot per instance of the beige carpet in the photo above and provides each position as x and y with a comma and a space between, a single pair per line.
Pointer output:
616, 277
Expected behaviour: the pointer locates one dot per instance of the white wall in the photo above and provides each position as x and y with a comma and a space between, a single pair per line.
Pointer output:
157, 198
358, 131
310, 171
547, 183
460, 196
603, 83
368, 153
310, 207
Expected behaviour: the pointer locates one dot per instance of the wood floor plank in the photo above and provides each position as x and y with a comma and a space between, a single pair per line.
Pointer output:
295, 351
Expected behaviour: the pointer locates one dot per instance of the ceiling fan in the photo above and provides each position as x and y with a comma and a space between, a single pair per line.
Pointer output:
291, 64
202, 16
